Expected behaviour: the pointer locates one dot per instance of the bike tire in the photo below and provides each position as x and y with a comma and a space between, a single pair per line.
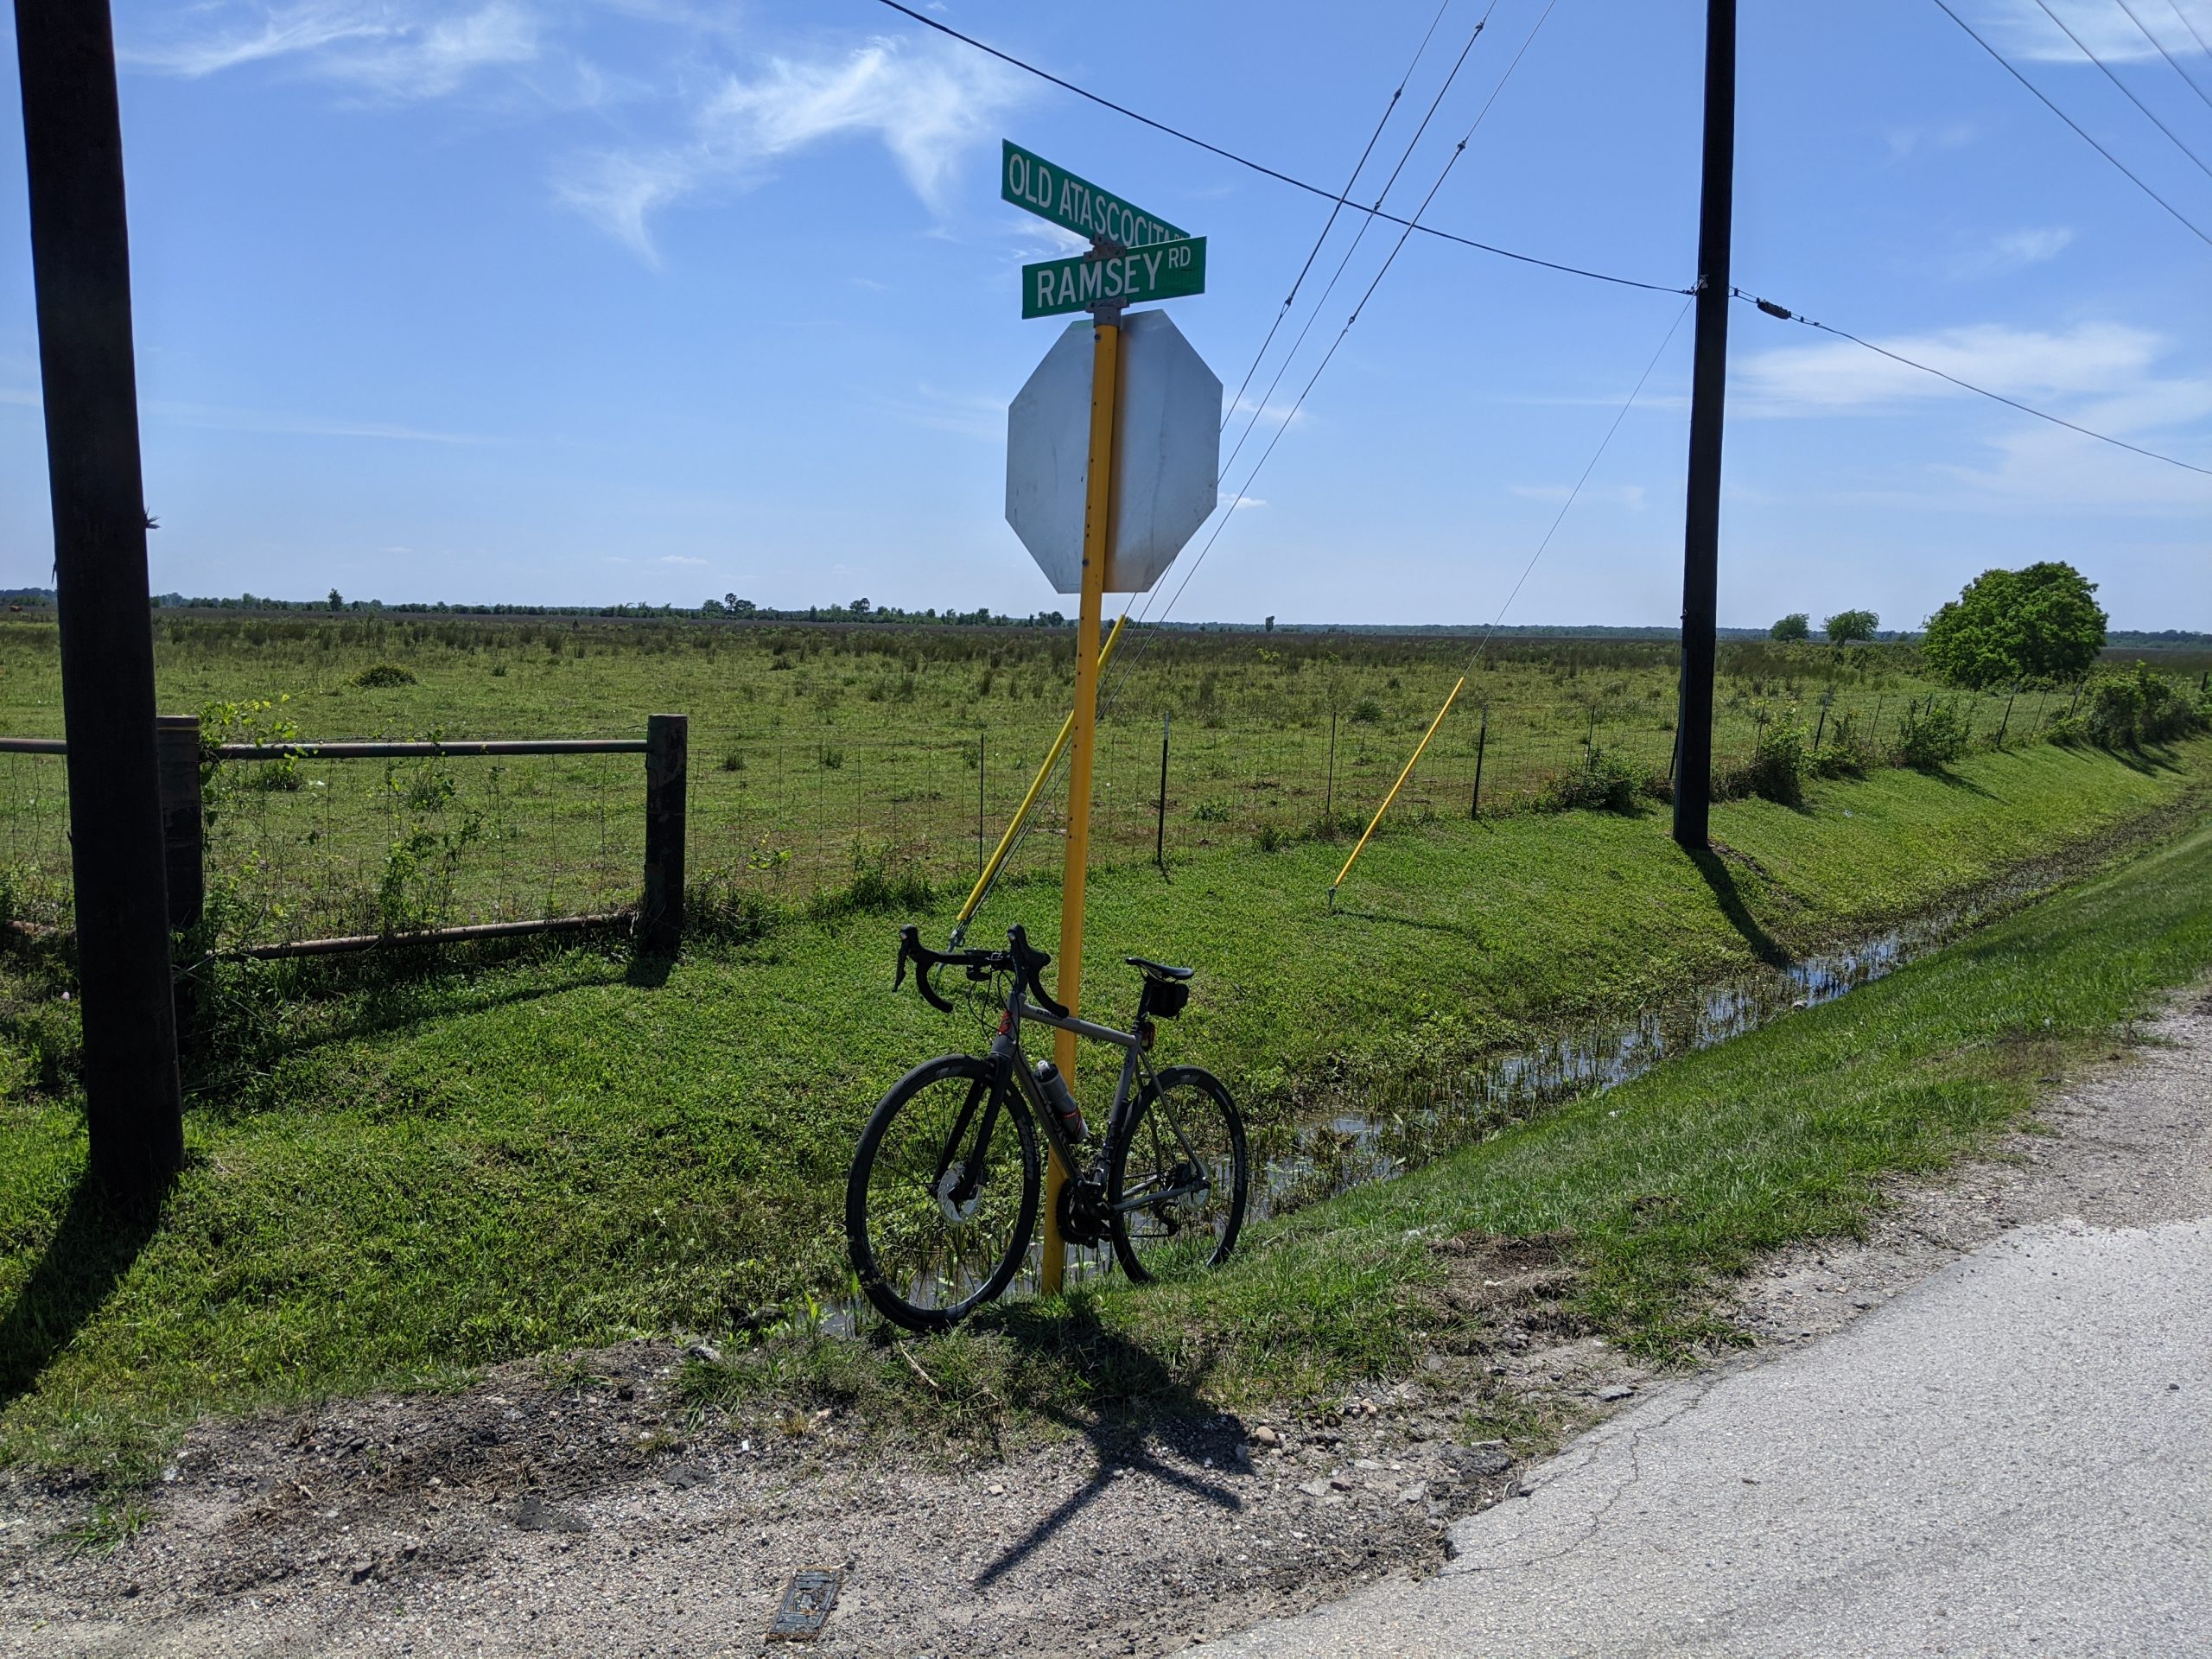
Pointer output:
901, 1226
1151, 1243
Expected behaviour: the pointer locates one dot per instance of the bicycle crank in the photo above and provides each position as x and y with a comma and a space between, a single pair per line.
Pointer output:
1083, 1210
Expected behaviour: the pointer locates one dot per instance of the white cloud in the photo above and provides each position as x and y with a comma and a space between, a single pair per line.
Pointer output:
1906, 142
925, 105
2024, 29
2013, 250
1238, 502
1631, 496
681, 558
393, 50
1834, 375
2101, 376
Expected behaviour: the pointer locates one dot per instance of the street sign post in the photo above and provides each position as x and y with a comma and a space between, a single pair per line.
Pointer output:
1162, 270
1113, 461
1030, 182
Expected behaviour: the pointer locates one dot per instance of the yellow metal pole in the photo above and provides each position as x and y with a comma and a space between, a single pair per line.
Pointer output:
1097, 507
1396, 787
1036, 788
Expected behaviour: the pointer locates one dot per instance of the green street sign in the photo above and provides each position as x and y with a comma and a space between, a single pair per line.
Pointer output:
1030, 182
1160, 271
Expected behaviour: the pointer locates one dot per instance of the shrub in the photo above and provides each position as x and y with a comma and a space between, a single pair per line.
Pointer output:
381, 676
883, 881
1215, 811
1779, 764
1933, 738
2128, 710
1366, 711
1606, 784
1844, 755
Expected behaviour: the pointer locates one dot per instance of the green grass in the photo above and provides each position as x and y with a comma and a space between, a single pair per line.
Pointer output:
814, 747
1658, 1193
397, 1173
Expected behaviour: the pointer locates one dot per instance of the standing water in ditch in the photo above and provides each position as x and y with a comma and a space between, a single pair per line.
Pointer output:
1412, 1118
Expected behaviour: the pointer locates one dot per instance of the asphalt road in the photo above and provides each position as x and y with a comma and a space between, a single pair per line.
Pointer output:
2013, 1457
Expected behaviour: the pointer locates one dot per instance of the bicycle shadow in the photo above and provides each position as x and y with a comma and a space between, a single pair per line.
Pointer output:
1143, 1405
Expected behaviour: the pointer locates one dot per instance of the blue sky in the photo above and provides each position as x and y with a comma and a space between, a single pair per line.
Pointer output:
591, 299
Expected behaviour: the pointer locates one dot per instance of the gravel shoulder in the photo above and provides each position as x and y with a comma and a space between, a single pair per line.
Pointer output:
538, 1512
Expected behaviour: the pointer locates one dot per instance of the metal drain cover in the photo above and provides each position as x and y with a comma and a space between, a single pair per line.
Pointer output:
807, 1601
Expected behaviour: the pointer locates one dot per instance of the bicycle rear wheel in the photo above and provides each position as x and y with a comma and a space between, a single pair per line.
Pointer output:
937, 1216
1175, 1193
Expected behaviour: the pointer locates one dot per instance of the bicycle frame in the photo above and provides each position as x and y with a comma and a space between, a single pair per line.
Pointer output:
1006, 1047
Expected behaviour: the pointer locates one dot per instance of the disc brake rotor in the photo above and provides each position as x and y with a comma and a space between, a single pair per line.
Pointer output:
956, 1210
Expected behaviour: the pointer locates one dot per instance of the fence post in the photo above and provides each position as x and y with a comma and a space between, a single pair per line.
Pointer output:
1481, 743
667, 756
1160, 822
1329, 790
1823, 726
2006, 721
176, 766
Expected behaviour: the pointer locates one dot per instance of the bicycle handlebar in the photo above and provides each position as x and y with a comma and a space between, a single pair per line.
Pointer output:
1017, 958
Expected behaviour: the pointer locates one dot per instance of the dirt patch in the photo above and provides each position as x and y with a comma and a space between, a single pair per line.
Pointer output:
588, 1511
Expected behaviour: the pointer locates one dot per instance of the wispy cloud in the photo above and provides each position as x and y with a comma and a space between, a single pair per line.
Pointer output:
2025, 30
682, 558
392, 50
1631, 496
1907, 141
968, 415
926, 105
2013, 250
2095, 358
1238, 502
2104, 375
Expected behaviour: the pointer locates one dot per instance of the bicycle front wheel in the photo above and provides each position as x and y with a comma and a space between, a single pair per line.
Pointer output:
1175, 1192
942, 1194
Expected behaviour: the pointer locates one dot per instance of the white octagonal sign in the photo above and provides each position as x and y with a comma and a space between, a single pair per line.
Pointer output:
1168, 454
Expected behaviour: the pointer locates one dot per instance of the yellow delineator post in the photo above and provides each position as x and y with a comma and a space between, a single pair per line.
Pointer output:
1098, 533
1036, 788
1395, 788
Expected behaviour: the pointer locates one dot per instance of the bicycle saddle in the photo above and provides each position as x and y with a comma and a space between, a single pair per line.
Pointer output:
1153, 970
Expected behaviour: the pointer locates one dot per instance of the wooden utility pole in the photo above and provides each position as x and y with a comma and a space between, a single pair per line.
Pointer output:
81, 263
1708, 388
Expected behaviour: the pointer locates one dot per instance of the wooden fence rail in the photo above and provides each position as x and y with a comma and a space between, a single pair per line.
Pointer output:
658, 917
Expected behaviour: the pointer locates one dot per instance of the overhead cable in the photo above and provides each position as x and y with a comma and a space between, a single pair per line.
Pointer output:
1313, 312
2183, 220
1787, 315
1335, 208
1277, 173
1398, 247
2144, 29
2130, 92
2204, 44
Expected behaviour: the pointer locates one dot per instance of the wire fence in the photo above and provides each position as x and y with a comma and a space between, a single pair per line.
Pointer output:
313, 846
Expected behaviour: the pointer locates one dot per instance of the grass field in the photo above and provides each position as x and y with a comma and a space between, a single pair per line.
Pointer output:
397, 1172
817, 752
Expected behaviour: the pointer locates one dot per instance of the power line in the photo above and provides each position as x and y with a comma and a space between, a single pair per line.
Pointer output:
1313, 253
1314, 314
1411, 224
2187, 223
1788, 315
2110, 76
2144, 29
1280, 177
2191, 27
1598, 455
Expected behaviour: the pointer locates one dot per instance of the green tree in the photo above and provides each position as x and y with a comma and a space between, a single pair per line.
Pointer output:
1795, 625
2041, 623
1845, 627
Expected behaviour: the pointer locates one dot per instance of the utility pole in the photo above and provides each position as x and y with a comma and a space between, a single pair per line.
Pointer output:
81, 263
1708, 388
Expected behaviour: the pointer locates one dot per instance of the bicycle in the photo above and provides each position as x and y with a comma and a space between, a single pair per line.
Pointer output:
945, 1186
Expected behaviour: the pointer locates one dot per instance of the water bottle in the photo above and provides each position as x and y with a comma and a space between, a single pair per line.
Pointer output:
1054, 1088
